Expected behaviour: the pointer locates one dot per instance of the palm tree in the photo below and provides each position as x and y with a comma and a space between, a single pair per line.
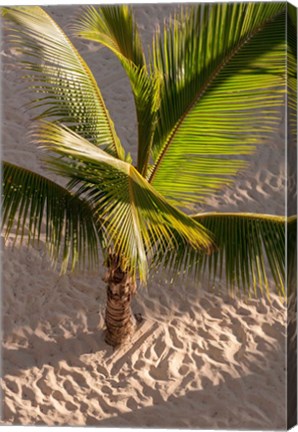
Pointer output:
208, 92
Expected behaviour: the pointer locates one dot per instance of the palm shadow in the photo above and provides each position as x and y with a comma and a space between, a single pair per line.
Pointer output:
235, 403
230, 405
63, 351
40, 352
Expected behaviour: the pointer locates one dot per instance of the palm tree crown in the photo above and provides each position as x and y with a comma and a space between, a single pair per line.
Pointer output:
207, 93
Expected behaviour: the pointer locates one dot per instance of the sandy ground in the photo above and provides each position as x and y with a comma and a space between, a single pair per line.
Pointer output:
197, 360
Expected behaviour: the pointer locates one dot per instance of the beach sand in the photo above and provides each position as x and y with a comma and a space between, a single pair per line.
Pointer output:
199, 359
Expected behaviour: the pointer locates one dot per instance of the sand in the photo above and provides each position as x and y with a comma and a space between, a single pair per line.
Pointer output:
198, 359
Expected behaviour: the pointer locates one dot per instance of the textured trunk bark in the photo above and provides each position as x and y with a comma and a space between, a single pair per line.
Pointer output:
120, 289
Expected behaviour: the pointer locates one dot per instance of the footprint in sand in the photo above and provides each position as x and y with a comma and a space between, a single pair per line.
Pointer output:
187, 360
139, 365
216, 313
204, 334
106, 407
262, 308
239, 331
45, 389
216, 354
132, 404
175, 340
102, 370
106, 390
197, 359
58, 395
83, 407
79, 379
224, 338
147, 354
92, 421
159, 349
45, 409
28, 394
70, 406
160, 373
151, 392
244, 311
12, 386
183, 370
188, 379
69, 388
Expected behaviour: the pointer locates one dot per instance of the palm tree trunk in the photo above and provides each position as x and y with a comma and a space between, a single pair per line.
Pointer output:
120, 289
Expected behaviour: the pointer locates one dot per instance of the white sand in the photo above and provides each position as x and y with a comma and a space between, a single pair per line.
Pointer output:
197, 360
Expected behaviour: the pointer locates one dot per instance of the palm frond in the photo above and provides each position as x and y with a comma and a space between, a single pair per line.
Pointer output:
223, 69
65, 88
248, 245
134, 218
29, 199
115, 28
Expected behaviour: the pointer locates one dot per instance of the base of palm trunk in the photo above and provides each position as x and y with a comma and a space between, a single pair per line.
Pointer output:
120, 289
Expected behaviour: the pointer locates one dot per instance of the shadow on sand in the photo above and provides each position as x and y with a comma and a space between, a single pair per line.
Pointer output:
242, 395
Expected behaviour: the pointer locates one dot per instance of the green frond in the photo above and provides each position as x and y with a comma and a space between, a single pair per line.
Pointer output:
223, 69
115, 28
146, 92
65, 88
248, 245
134, 218
29, 200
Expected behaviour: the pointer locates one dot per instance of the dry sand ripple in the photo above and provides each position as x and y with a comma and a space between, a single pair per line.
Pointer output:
205, 361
